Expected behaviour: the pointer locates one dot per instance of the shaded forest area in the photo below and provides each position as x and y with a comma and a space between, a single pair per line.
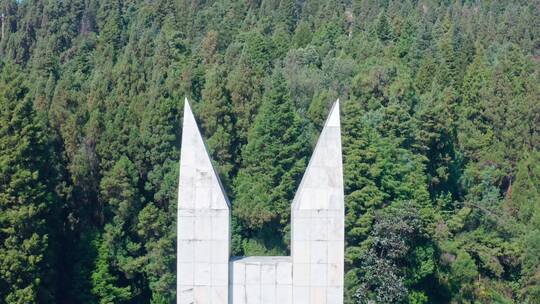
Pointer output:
440, 130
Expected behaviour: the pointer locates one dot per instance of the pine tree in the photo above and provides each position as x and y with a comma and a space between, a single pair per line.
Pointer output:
302, 35
159, 167
523, 200
448, 58
26, 200
443, 112
377, 173
217, 121
383, 28
105, 281
288, 13
118, 250
245, 91
475, 130
273, 162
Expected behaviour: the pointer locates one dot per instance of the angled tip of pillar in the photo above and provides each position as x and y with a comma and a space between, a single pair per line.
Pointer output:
188, 114
333, 117
189, 124
186, 106
322, 183
200, 187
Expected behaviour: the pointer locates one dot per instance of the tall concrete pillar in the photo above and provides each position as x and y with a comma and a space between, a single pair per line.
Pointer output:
203, 231
314, 273
318, 212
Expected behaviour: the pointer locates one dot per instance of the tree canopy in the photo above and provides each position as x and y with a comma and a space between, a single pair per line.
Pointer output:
440, 133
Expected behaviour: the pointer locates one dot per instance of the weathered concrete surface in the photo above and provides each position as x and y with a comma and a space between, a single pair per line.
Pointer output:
260, 280
318, 213
203, 234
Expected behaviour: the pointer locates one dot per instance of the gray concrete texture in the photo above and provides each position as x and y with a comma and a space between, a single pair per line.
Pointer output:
312, 274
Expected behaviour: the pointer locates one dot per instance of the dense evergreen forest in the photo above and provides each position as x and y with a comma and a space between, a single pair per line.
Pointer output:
440, 130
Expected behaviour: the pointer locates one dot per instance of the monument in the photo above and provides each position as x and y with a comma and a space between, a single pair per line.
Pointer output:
313, 274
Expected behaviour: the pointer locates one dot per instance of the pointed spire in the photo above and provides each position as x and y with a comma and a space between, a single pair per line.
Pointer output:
322, 184
200, 187
333, 117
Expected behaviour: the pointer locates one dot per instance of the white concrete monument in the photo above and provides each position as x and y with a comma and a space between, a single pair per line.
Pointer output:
203, 235
312, 275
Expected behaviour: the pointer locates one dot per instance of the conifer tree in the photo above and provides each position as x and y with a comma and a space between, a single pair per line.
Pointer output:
245, 91
273, 162
475, 130
118, 250
383, 28
378, 173
105, 282
26, 200
159, 167
441, 116
217, 121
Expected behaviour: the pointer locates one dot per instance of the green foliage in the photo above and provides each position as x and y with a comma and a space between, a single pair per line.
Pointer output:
383, 28
26, 201
104, 282
218, 123
273, 162
462, 274
440, 132
400, 256
302, 35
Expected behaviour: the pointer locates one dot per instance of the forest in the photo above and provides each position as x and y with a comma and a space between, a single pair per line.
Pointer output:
440, 131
